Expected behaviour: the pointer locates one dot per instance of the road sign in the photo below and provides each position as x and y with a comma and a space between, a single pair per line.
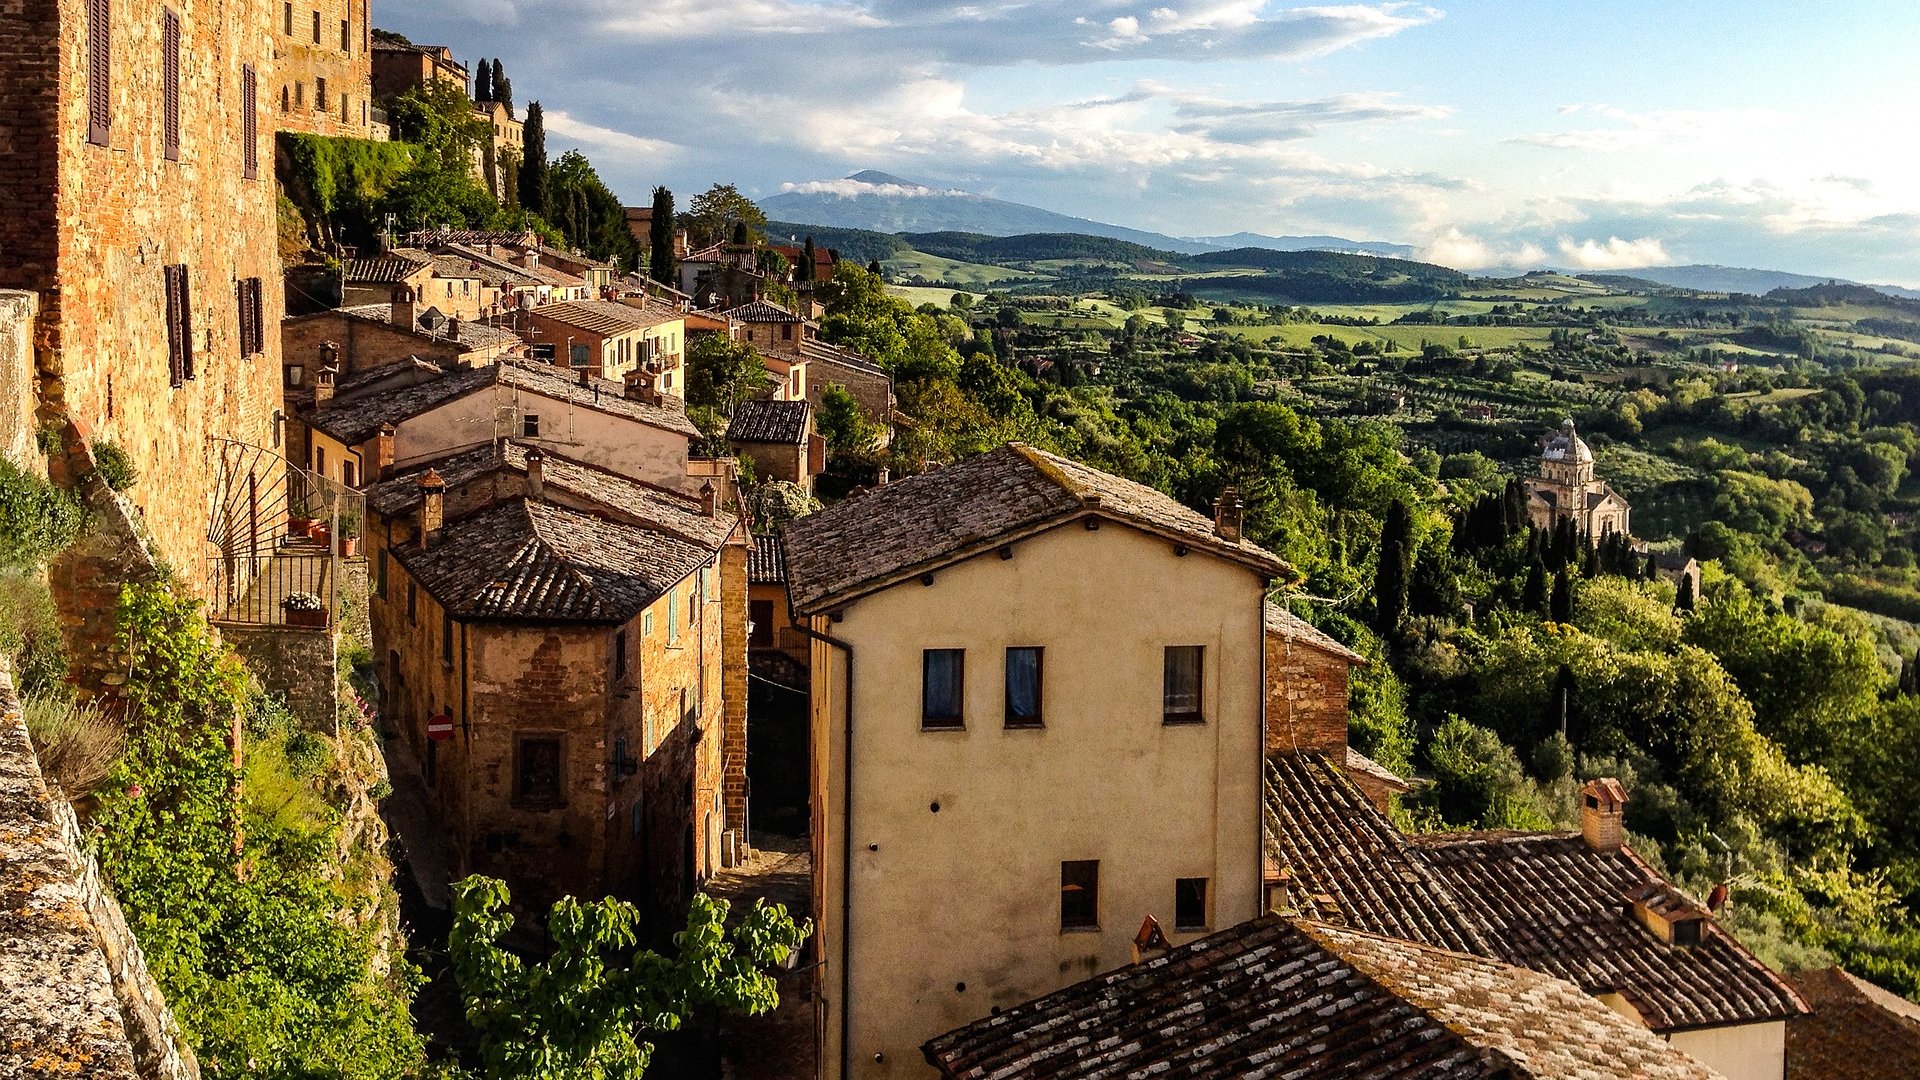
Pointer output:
439, 727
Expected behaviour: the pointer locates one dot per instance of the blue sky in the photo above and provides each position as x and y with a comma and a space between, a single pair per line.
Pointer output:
1487, 134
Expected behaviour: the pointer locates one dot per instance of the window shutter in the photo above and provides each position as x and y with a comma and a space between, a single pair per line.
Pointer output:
176, 328
99, 70
249, 123
259, 317
170, 83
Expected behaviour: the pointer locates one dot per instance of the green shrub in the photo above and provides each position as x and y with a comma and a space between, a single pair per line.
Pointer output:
37, 519
115, 467
30, 632
77, 744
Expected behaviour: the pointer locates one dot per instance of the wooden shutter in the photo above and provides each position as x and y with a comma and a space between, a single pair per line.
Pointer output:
249, 123
176, 325
99, 71
256, 319
170, 85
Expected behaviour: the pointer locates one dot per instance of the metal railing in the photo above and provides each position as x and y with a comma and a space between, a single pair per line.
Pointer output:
255, 590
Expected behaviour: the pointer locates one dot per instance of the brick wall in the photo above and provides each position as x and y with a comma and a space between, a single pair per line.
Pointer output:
733, 664
345, 61
1306, 697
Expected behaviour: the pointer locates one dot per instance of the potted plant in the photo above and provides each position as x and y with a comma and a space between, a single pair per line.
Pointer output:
322, 533
304, 609
348, 539
299, 518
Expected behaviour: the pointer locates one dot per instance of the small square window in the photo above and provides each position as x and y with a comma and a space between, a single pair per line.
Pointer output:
1080, 895
536, 771
1024, 667
1180, 695
1190, 904
673, 618
530, 426
646, 623
943, 672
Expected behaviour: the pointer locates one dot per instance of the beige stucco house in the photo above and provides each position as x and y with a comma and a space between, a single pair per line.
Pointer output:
1037, 719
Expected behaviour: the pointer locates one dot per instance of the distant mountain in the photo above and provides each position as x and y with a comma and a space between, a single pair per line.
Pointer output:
880, 202
1709, 278
1306, 243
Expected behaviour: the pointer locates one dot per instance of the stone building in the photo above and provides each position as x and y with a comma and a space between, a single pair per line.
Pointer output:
138, 164
455, 287
323, 67
778, 437
398, 68
1036, 691
1567, 490
610, 339
504, 149
870, 385
570, 627
1307, 683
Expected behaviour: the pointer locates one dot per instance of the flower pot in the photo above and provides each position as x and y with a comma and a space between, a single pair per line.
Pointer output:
322, 533
305, 617
349, 546
299, 526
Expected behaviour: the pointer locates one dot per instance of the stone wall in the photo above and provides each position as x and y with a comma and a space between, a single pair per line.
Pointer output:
19, 405
87, 577
733, 685
79, 998
1306, 697
299, 663
307, 54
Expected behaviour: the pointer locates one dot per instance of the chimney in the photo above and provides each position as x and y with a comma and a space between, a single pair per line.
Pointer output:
433, 493
709, 499
405, 304
453, 328
536, 474
323, 382
1226, 515
1603, 806
1150, 943
383, 452
586, 377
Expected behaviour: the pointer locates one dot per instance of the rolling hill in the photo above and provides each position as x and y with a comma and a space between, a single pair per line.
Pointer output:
1305, 243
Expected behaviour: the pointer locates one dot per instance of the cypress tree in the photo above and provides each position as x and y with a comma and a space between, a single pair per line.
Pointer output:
1391, 572
1686, 598
1515, 506
1589, 560
502, 86
804, 272
741, 237
1562, 607
1533, 598
1653, 568
533, 167
1562, 700
874, 268
660, 238
482, 81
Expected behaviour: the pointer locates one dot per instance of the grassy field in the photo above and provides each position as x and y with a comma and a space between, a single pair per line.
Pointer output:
1405, 338
911, 263
928, 294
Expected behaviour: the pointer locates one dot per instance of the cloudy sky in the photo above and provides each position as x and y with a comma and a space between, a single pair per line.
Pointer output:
1516, 133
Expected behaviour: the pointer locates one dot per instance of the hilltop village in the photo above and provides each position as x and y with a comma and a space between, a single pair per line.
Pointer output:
439, 576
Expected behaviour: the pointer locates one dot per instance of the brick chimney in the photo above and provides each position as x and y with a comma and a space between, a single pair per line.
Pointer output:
323, 384
383, 451
433, 493
1226, 515
1603, 807
536, 474
405, 312
709, 499
1150, 943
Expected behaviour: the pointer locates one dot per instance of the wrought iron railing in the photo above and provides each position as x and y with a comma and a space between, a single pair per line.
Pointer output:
281, 532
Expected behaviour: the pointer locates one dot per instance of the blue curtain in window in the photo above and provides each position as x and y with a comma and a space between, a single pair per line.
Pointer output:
1023, 684
940, 692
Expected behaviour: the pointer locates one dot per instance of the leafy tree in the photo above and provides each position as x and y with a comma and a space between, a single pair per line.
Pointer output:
660, 261
1478, 781
584, 1012
587, 212
716, 213
438, 116
721, 373
533, 165
846, 429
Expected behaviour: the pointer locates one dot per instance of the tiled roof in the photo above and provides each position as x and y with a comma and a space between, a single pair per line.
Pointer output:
428, 238
618, 496
472, 333
768, 421
354, 422
1358, 762
927, 520
816, 351
1304, 1001
389, 269
762, 311
765, 563
528, 559
713, 254
1550, 902
1339, 860
1857, 1031
541, 274
607, 318
587, 261
1301, 632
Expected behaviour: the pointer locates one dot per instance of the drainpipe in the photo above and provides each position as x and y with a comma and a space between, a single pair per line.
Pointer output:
846, 840
1260, 767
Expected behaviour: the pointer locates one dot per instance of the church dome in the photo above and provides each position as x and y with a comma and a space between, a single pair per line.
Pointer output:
1566, 445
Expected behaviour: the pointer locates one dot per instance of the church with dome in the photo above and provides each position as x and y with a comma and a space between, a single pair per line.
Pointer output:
1567, 489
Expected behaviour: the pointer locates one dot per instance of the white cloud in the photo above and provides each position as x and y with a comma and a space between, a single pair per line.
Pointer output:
566, 126
1646, 130
1614, 253
853, 189
1465, 252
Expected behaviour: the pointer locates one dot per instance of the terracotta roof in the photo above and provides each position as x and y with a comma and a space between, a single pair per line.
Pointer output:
1338, 859
389, 269
428, 238
1305, 1001
1299, 631
714, 253
566, 481
588, 261
766, 565
762, 311
1550, 902
1857, 1031
937, 517
1357, 762
607, 318
767, 421
816, 351
354, 422
471, 333
537, 274
528, 559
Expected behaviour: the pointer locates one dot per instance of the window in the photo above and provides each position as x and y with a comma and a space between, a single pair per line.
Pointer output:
170, 85
319, 95
530, 426
99, 71
286, 22
1023, 687
320, 460
536, 770
760, 614
1687, 931
1180, 695
942, 673
413, 604
249, 124
646, 624
252, 329
350, 472
673, 618
619, 655
293, 374
299, 95
179, 325
380, 575
1080, 895
286, 99
316, 28
577, 356
1190, 904
346, 37
446, 639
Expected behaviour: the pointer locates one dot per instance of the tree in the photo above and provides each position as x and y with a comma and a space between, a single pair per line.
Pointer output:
482, 81
875, 269
438, 116
501, 86
1390, 575
660, 259
807, 257
533, 167
1533, 598
1685, 597
583, 1013
721, 373
714, 213
847, 430
1560, 610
